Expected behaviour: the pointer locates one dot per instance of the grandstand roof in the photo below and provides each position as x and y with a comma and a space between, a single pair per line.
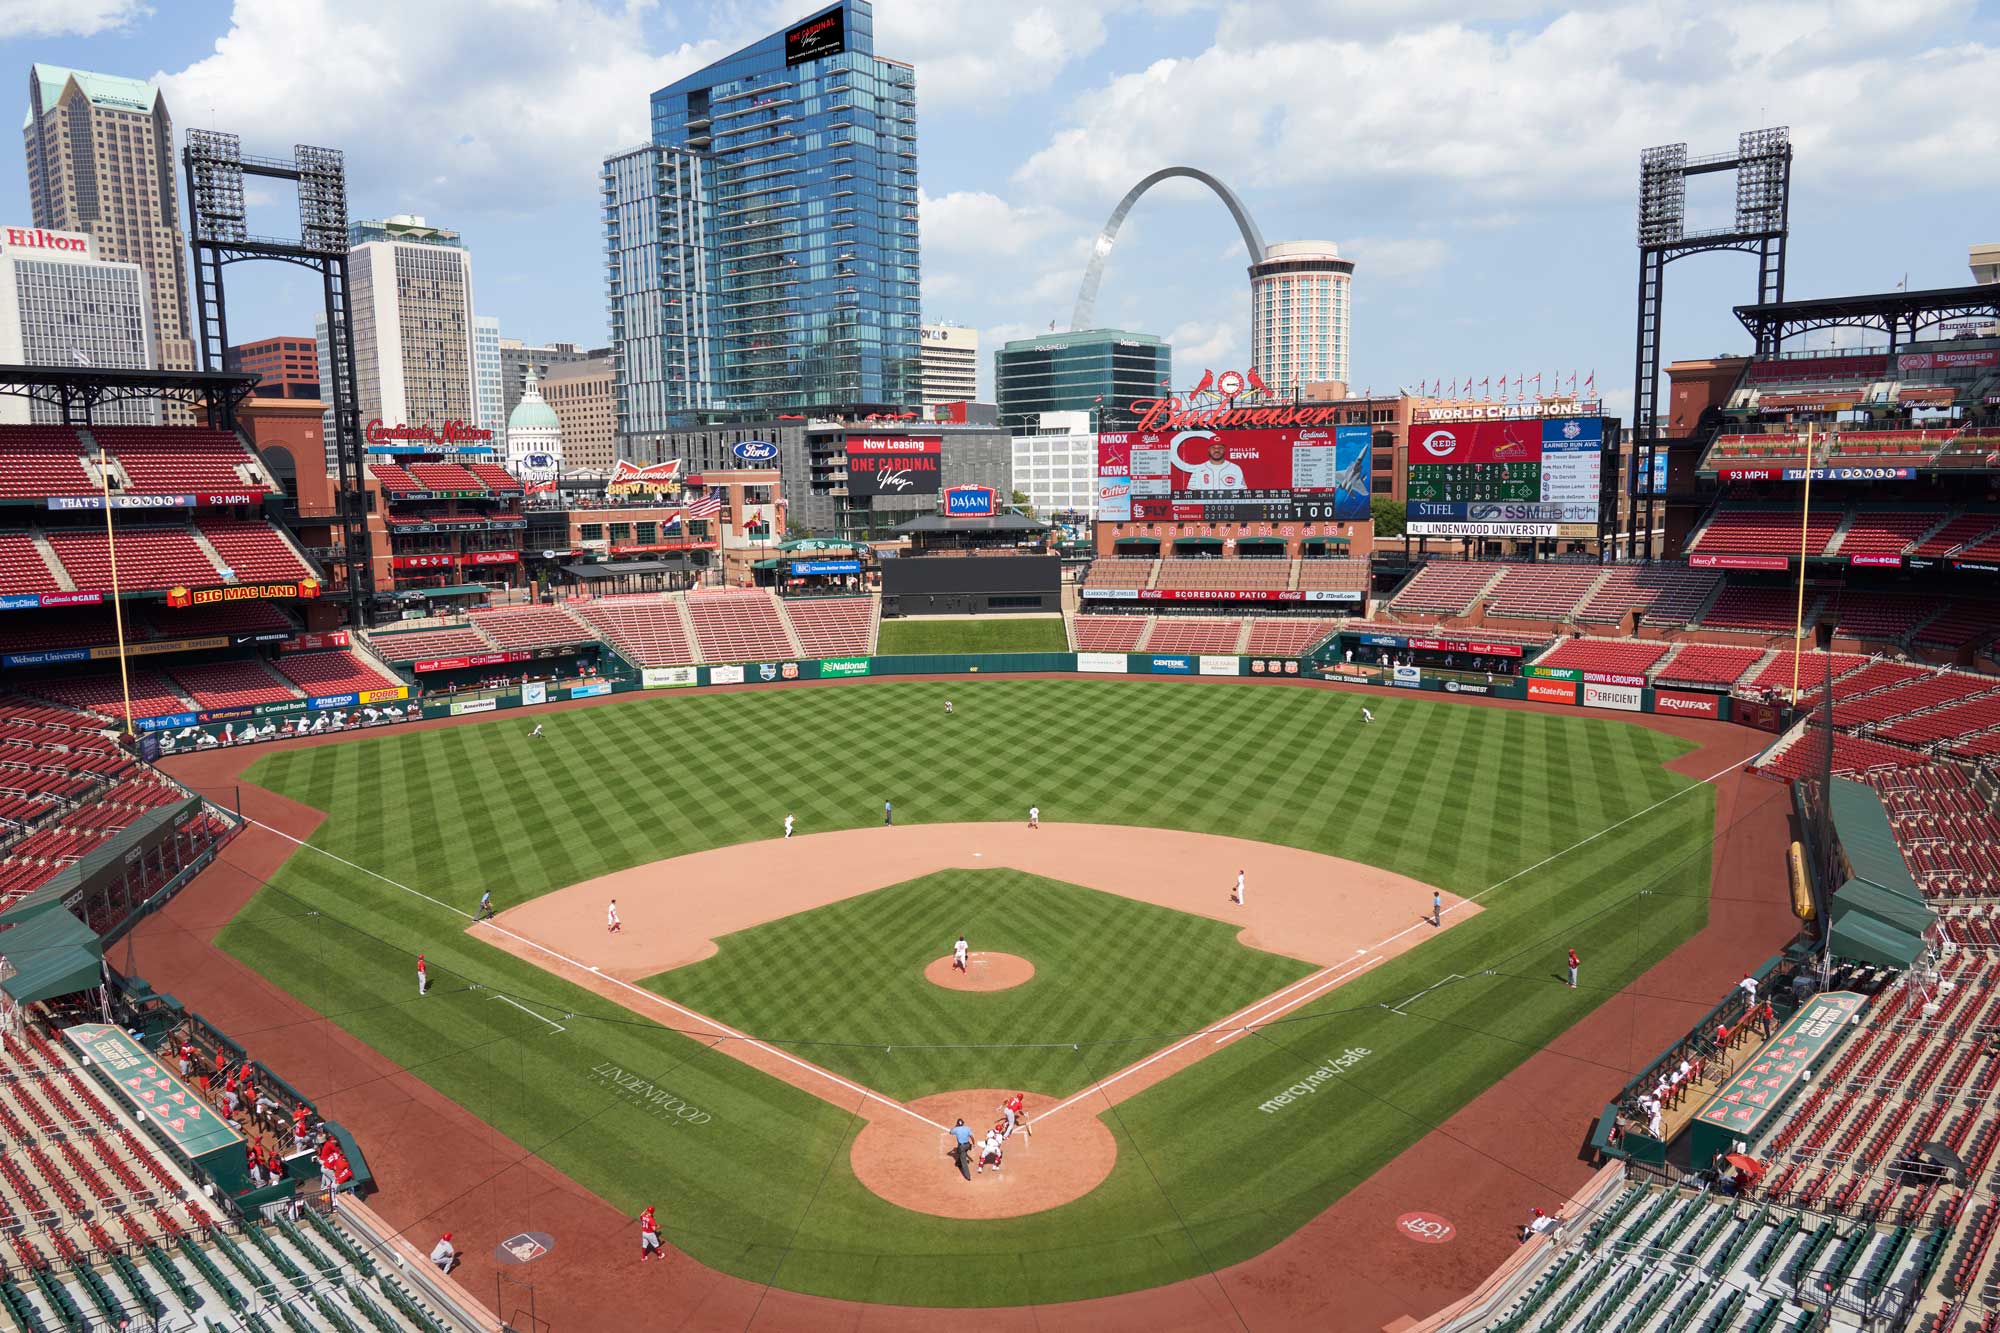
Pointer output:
1888, 311
52, 953
70, 388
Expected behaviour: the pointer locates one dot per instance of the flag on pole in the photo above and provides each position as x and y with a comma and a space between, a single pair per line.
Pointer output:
1485, 389
1590, 383
1452, 392
707, 506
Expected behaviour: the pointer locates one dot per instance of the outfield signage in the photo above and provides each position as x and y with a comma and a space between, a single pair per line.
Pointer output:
1274, 666
1222, 595
1739, 562
1171, 666
1552, 691
843, 666
33, 601
666, 678
590, 690
1408, 677
725, 675
1221, 666
1475, 646
1102, 663
1552, 673
971, 502
1680, 703
534, 692
1624, 698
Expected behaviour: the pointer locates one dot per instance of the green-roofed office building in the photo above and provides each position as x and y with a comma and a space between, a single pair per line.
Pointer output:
1078, 372
101, 161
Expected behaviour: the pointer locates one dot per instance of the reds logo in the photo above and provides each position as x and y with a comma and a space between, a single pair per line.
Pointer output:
1440, 443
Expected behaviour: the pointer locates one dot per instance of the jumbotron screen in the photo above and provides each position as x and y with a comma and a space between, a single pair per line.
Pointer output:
1234, 476
1504, 478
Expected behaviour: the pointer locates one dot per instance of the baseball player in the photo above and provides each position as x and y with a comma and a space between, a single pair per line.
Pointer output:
989, 1152
1437, 908
958, 955
611, 922
1014, 1108
1574, 964
788, 826
423, 976
486, 905
649, 1236
536, 732
1034, 816
1367, 716
947, 708
1237, 896
186, 1056
888, 813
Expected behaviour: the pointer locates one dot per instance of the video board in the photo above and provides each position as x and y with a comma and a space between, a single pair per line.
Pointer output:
893, 464
1504, 478
1234, 476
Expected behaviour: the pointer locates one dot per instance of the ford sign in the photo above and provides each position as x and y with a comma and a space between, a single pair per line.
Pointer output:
755, 451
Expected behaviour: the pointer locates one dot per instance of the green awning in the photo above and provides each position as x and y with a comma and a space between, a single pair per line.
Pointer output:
1891, 909
1862, 939
52, 954
1136, 541
1867, 840
1258, 541
1197, 541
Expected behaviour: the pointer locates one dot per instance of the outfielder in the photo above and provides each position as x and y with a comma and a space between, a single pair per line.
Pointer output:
423, 976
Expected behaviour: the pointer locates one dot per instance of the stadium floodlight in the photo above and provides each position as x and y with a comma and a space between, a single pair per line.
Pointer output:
215, 194
1662, 193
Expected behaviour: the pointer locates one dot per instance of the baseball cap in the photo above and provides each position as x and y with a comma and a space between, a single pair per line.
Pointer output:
447, 1235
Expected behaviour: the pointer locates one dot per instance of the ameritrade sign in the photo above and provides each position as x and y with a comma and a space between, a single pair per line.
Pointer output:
1624, 698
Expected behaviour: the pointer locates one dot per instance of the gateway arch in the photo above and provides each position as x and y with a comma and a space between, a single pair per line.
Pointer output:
1085, 314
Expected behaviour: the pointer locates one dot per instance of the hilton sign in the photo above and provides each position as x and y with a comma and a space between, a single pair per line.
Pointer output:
39, 238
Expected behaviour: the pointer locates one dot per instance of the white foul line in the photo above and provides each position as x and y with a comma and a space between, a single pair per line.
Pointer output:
529, 1012
723, 1028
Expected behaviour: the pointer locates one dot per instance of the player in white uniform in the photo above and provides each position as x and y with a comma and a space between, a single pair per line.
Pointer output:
1217, 473
989, 1151
788, 826
611, 921
536, 732
958, 955
1237, 897
1034, 816
1367, 716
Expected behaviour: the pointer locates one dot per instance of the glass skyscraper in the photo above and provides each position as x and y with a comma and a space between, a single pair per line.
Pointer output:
1079, 372
761, 252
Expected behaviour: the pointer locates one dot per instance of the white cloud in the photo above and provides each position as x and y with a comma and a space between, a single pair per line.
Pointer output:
1560, 106
969, 52
975, 222
453, 105
1393, 258
1199, 343
66, 18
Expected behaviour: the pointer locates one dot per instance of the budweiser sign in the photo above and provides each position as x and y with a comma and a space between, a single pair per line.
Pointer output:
628, 478
450, 432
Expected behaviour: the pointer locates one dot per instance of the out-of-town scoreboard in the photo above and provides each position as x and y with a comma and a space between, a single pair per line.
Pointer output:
1517, 477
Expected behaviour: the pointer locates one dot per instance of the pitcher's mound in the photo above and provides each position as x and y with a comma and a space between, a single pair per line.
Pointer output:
911, 1166
987, 971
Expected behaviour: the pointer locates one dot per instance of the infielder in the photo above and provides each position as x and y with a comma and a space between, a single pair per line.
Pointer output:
649, 1236
611, 922
958, 955
1034, 816
1237, 897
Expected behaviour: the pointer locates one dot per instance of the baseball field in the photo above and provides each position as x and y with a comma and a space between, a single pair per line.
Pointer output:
730, 1054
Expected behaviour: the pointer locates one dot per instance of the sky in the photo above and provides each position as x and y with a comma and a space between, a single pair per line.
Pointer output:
1477, 161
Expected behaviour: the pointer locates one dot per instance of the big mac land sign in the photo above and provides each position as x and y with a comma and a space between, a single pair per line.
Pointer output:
303, 589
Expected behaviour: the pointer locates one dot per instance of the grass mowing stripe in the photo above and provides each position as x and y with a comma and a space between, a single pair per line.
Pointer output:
636, 782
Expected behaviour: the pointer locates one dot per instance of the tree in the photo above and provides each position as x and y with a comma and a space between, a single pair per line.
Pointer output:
1389, 515
1019, 501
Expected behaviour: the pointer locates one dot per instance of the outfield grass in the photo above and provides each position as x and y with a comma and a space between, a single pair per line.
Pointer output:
1452, 794
1042, 634
853, 970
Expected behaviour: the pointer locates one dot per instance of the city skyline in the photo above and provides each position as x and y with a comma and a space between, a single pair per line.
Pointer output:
1474, 234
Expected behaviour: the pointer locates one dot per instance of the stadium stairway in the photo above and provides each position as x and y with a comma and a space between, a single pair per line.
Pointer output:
679, 602
215, 557
48, 554
1139, 644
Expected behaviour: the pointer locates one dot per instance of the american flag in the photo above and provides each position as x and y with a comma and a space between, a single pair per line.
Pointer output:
708, 506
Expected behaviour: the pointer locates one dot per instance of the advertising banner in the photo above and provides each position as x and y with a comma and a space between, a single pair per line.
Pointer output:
1114, 499
436, 560
1948, 360
1222, 595
1409, 677
1624, 698
304, 589
1171, 666
1552, 691
475, 660
1450, 529
1738, 562
843, 666
461, 707
1614, 678
816, 39
1274, 666
971, 502
1762, 716
1221, 666
400, 692
666, 678
1818, 474
591, 690
313, 643
893, 464
1478, 646
1106, 663
628, 478
804, 568
1552, 673
534, 692
121, 502
725, 675
1680, 703
1876, 561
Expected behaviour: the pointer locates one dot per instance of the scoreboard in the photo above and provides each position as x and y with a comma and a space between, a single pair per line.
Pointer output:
1235, 476
1505, 478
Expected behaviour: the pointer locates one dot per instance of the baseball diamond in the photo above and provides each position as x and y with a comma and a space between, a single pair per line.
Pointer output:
785, 998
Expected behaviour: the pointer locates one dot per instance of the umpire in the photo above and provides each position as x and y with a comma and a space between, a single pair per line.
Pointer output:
961, 1149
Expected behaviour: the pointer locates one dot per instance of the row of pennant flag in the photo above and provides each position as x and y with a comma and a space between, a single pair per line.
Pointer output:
1496, 386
